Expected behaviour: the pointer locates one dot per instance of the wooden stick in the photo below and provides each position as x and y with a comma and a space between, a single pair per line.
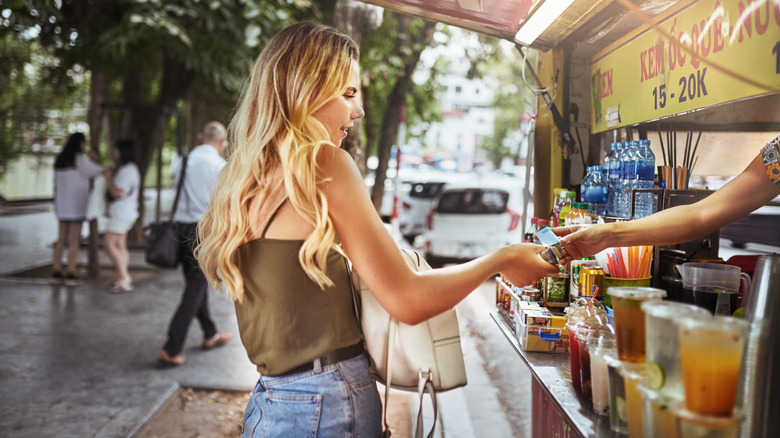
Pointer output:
694, 149
660, 138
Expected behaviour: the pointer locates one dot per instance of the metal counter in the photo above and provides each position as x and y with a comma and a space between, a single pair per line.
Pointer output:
558, 409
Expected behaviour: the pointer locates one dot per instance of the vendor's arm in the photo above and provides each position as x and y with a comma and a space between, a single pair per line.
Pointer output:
409, 296
750, 190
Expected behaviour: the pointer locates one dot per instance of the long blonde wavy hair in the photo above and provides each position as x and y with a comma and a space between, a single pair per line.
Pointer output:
302, 68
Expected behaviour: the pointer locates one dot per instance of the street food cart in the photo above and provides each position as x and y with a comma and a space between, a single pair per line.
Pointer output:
634, 67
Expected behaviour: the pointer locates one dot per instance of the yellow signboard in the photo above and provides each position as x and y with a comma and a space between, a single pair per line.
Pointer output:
697, 54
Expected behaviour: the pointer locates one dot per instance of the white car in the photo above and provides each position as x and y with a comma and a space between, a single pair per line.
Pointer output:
471, 220
421, 197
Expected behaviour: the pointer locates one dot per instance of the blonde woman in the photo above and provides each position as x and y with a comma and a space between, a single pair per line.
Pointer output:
287, 207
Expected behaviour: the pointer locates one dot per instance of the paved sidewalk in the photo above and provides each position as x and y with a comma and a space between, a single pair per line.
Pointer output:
81, 362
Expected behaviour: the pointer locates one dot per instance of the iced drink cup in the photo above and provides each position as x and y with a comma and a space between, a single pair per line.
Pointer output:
574, 357
583, 338
662, 344
599, 347
630, 320
711, 359
633, 375
618, 416
659, 417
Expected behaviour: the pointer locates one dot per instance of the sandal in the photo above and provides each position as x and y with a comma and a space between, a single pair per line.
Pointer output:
120, 288
167, 360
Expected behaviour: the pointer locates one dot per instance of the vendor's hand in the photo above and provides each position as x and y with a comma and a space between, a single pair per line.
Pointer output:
581, 241
526, 266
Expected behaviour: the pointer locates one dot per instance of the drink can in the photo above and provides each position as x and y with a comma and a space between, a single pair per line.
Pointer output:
592, 277
574, 275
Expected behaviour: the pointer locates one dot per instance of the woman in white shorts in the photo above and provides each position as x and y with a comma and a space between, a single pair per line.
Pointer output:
124, 183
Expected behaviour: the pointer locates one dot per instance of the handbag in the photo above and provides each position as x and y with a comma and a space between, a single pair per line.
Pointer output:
162, 246
423, 358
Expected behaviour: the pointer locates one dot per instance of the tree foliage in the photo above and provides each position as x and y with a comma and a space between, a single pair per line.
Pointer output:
390, 55
501, 66
156, 55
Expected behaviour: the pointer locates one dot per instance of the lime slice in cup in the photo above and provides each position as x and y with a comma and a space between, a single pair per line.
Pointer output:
622, 410
655, 376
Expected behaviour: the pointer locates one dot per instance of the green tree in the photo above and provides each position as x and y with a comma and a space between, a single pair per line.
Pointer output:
33, 111
152, 58
389, 58
501, 66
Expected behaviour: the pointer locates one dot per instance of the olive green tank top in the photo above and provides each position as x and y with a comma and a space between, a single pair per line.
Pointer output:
285, 319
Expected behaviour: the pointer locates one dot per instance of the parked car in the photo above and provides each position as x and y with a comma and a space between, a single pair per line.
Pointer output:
421, 197
471, 220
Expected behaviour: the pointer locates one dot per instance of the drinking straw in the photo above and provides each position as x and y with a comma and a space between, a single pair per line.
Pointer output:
621, 256
645, 261
614, 265
595, 290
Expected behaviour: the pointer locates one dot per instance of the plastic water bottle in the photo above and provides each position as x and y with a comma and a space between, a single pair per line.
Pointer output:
594, 191
611, 170
645, 176
618, 180
627, 178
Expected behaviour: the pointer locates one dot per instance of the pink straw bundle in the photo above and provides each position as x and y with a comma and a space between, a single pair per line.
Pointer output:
629, 262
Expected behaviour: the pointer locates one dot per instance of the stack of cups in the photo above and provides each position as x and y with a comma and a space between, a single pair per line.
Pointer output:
630, 339
663, 388
618, 415
583, 318
601, 345
711, 360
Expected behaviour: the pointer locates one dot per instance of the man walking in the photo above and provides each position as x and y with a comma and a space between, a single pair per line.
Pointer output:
203, 165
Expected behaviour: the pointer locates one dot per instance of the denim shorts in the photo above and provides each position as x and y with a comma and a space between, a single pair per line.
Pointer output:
339, 400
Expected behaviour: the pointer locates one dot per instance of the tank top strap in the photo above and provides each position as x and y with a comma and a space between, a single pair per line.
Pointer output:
273, 216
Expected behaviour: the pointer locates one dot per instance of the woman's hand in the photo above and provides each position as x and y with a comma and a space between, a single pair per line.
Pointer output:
524, 266
93, 155
582, 240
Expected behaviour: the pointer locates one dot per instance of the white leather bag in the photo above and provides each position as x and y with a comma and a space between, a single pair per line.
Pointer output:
424, 358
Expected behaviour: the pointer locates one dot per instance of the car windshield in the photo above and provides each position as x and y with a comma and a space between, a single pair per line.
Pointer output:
473, 201
426, 190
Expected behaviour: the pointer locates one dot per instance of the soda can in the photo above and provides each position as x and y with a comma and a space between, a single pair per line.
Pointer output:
574, 275
592, 277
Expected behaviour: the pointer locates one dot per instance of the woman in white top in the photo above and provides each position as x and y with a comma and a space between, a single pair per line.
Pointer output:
123, 184
72, 174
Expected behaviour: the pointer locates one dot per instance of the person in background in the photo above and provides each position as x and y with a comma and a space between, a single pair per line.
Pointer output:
758, 184
72, 174
286, 209
123, 183
203, 165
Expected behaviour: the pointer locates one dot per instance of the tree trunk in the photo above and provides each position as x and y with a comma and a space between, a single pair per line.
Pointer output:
352, 17
146, 124
409, 47
98, 91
